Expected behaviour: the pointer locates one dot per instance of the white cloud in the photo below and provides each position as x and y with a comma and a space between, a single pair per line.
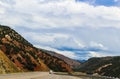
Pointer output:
45, 37
95, 54
3, 4
56, 40
1, 11
65, 53
62, 13
97, 45
80, 44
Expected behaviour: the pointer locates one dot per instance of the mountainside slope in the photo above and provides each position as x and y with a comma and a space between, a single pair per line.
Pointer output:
73, 63
6, 66
107, 66
25, 55
19, 51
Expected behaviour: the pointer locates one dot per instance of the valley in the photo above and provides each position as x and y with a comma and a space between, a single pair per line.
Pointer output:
19, 55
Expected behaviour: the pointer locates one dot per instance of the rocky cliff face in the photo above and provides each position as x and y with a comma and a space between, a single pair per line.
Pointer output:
25, 56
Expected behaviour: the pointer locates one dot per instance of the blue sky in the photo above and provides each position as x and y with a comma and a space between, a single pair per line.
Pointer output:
79, 29
101, 2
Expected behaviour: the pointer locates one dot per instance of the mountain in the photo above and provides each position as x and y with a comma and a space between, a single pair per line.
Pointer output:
106, 66
25, 56
73, 63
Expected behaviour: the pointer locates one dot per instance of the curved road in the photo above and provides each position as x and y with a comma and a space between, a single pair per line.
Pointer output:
36, 75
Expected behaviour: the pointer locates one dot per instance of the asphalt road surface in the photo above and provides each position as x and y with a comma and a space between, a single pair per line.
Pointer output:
36, 75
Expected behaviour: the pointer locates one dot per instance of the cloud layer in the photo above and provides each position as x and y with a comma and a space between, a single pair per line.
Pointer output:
78, 29
36, 14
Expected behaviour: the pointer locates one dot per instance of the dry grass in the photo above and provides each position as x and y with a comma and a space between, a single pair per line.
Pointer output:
6, 66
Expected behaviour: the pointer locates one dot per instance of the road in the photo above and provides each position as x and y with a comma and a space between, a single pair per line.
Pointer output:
36, 75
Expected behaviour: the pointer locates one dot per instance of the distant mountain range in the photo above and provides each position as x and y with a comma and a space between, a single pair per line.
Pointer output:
23, 56
81, 61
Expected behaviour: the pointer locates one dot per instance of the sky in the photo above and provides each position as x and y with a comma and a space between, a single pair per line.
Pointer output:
79, 29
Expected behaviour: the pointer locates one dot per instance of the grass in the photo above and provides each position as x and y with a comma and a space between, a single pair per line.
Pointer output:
6, 66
